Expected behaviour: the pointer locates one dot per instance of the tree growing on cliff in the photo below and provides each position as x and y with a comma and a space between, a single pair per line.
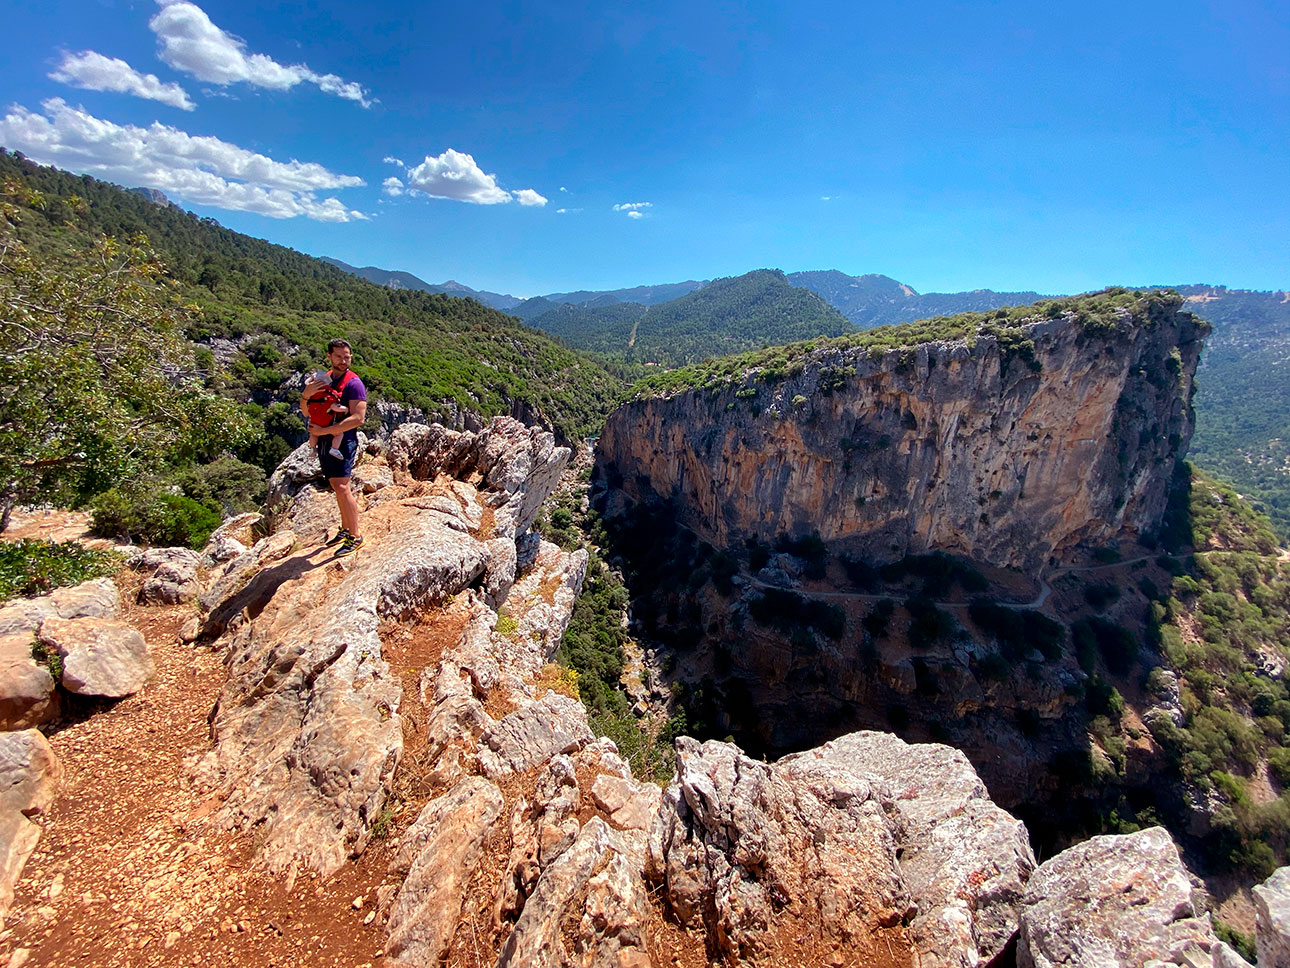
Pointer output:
97, 384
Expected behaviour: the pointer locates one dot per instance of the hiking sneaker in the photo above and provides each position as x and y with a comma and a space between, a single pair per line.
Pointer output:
337, 538
350, 545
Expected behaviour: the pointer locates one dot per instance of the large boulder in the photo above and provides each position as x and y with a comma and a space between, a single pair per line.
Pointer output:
1272, 920
1113, 900
171, 575
964, 860
759, 855
29, 777
92, 599
437, 858
100, 658
27, 694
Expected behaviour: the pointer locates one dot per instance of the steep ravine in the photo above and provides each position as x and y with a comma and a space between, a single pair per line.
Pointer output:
1020, 467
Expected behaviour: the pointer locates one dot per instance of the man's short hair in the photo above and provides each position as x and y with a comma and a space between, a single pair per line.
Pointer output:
336, 344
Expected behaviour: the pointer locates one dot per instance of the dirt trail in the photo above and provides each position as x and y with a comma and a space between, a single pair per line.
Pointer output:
125, 874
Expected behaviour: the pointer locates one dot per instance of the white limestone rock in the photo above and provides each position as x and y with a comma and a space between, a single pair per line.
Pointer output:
100, 658
27, 694
92, 599
29, 778
1272, 920
1112, 900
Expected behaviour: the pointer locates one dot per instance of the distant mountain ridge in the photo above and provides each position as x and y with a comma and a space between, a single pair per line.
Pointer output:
757, 309
397, 279
866, 300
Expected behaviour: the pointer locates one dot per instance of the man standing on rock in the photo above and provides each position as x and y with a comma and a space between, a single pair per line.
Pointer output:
342, 436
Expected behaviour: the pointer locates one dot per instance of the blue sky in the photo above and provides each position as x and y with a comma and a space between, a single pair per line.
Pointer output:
542, 147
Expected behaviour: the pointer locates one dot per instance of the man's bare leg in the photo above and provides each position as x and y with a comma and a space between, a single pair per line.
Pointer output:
347, 503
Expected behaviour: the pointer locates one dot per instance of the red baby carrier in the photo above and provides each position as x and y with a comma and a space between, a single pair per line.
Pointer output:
320, 403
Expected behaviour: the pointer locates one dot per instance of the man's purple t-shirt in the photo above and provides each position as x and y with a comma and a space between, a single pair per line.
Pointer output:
354, 390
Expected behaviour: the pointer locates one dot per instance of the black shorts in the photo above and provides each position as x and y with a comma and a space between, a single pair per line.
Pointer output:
337, 466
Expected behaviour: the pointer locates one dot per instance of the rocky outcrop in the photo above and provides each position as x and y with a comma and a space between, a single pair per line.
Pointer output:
959, 446
27, 693
170, 575
863, 835
1114, 900
966, 860
306, 731
29, 777
1272, 920
92, 599
439, 850
98, 658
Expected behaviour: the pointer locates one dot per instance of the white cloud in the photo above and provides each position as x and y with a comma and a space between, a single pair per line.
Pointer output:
197, 169
527, 196
567, 211
563, 189
94, 72
455, 175
191, 43
392, 186
632, 207
391, 160
635, 214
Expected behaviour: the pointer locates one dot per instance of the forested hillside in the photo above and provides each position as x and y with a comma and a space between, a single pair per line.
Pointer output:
1243, 401
280, 306
258, 317
734, 315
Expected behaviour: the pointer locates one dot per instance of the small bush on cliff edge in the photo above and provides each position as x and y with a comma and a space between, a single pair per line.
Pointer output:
31, 567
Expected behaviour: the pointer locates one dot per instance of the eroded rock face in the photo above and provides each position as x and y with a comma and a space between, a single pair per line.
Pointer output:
307, 732
943, 446
1113, 900
100, 658
92, 599
1272, 920
29, 777
754, 853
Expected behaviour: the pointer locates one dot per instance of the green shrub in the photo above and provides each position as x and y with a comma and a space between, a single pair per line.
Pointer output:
1117, 645
157, 518
928, 624
32, 567
1243, 944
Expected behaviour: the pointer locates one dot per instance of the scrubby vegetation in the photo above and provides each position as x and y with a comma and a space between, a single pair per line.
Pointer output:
1242, 422
30, 567
276, 308
1100, 315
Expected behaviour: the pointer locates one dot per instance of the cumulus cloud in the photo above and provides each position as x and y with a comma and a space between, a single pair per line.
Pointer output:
527, 196
392, 186
635, 214
633, 209
197, 169
455, 175
391, 160
191, 43
94, 72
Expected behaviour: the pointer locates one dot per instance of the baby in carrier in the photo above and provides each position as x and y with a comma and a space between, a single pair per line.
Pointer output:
327, 406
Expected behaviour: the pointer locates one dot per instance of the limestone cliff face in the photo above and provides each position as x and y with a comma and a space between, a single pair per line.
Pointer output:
958, 446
